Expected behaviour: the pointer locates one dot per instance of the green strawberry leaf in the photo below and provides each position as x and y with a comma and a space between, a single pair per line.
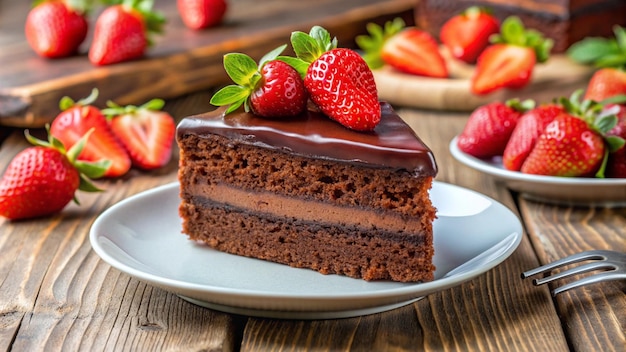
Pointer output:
67, 102
602, 169
521, 106
322, 37
232, 95
605, 123
92, 170
87, 186
305, 46
240, 68
154, 105
299, 65
309, 47
614, 143
272, 55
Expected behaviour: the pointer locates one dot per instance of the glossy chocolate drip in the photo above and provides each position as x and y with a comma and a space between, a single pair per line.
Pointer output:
392, 143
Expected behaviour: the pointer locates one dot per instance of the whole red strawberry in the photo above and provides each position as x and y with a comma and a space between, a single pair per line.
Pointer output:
122, 32
489, 128
338, 80
576, 143
76, 119
407, 49
567, 147
528, 129
510, 61
198, 14
56, 28
467, 34
41, 180
271, 89
146, 132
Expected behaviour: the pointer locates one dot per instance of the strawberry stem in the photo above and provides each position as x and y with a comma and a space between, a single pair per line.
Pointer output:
66, 102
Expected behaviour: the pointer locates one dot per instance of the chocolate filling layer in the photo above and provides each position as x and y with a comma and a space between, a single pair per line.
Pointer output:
305, 210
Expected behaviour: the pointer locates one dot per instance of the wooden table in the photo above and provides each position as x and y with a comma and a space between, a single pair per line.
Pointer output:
57, 294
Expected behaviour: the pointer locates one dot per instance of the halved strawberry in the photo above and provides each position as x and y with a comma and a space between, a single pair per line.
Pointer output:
529, 127
146, 132
76, 119
509, 62
407, 49
490, 126
270, 89
467, 34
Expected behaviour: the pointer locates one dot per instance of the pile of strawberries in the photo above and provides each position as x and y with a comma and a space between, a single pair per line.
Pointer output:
582, 136
123, 30
84, 142
504, 54
337, 80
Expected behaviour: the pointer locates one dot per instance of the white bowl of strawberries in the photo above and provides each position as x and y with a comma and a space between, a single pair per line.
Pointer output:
569, 151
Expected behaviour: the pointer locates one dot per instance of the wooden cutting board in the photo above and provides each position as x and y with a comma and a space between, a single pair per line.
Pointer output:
182, 60
558, 75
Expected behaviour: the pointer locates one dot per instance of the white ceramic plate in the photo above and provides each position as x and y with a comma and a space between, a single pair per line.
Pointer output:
559, 190
142, 237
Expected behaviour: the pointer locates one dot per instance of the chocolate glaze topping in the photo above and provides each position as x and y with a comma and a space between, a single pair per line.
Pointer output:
392, 143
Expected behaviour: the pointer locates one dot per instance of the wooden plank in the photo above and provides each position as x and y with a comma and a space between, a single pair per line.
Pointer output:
593, 316
182, 61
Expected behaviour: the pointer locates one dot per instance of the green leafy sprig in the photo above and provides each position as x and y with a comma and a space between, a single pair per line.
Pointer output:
601, 52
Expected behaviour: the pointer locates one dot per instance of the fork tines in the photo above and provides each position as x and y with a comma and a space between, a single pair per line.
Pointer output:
612, 264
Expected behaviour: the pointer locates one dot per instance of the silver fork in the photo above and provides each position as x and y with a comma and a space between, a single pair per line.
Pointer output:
612, 263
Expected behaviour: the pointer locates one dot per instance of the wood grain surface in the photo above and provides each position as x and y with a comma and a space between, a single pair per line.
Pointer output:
181, 61
56, 294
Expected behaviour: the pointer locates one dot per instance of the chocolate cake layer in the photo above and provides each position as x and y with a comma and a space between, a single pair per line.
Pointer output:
325, 247
213, 159
392, 143
310, 193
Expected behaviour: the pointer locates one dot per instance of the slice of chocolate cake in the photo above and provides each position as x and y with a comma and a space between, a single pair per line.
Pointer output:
310, 193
